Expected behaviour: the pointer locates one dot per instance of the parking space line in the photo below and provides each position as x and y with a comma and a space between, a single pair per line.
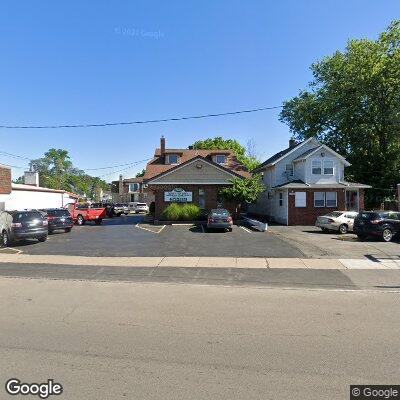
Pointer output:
245, 229
18, 251
149, 230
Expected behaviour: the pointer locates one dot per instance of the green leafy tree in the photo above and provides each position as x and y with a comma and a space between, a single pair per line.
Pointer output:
218, 143
244, 190
353, 106
141, 173
56, 171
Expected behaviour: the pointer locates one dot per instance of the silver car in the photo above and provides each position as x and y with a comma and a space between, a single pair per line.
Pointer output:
5, 228
338, 221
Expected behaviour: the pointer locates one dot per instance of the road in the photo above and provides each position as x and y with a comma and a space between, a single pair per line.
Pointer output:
117, 340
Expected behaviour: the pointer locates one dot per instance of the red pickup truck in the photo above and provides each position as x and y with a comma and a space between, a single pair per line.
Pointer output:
83, 212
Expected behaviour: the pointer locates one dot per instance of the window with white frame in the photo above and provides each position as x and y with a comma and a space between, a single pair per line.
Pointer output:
328, 167
331, 199
316, 166
319, 199
173, 159
220, 159
280, 199
289, 169
133, 187
300, 199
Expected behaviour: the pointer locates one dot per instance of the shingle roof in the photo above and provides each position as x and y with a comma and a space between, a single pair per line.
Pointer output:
306, 153
300, 184
277, 156
156, 166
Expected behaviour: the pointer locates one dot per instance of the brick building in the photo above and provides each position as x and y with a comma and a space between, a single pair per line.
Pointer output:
131, 190
304, 181
194, 176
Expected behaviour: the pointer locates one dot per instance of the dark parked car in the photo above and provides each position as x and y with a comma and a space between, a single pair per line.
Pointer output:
58, 218
25, 225
382, 224
219, 218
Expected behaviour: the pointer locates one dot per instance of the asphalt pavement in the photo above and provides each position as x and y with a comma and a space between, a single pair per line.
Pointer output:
119, 340
129, 236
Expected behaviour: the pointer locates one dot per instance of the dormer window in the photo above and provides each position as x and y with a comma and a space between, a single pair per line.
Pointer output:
220, 159
316, 167
289, 169
172, 159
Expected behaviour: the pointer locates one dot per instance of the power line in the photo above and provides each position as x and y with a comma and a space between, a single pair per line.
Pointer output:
150, 121
116, 166
121, 170
14, 155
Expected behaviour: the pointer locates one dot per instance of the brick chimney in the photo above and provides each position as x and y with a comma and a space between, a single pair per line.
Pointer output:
31, 178
5, 180
292, 143
162, 146
121, 185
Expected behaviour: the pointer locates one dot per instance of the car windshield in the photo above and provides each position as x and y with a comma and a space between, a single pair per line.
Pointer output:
222, 212
369, 215
334, 214
26, 216
58, 213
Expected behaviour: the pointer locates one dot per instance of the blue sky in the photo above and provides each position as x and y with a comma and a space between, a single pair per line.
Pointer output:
101, 61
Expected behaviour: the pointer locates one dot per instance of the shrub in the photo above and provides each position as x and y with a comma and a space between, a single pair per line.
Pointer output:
185, 212
172, 212
152, 208
190, 212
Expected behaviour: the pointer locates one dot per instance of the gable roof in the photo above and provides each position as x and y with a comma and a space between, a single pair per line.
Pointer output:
190, 161
308, 153
157, 166
278, 156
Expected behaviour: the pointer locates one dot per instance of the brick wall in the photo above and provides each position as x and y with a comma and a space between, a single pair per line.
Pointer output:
5, 180
307, 215
211, 197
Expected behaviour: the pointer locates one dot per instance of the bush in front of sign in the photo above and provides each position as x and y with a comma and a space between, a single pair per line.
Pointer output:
184, 212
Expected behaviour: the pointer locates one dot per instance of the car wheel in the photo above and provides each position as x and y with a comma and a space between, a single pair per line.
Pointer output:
68, 229
343, 229
230, 229
98, 221
387, 235
80, 220
42, 239
50, 231
5, 240
361, 237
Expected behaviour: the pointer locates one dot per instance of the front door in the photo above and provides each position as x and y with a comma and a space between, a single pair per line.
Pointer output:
352, 203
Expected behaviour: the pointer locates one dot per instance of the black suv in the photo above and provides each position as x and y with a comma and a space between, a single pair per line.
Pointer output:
27, 225
383, 224
58, 218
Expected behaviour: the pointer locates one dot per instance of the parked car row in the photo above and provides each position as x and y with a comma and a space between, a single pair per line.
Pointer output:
382, 224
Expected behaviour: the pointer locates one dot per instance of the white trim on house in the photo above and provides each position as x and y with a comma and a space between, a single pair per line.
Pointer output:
197, 159
290, 152
325, 147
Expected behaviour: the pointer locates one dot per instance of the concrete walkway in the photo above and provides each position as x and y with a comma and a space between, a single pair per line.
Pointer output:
204, 262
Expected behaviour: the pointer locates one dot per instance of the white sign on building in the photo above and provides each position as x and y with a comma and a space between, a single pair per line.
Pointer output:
178, 196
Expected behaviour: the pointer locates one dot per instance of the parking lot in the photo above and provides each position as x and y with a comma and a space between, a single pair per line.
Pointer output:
130, 236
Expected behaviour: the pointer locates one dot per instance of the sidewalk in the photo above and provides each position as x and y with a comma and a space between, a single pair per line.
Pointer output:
205, 262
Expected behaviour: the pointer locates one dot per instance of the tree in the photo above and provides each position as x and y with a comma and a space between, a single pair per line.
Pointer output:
141, 173
56, 171
353, 106
218, 143
244, 190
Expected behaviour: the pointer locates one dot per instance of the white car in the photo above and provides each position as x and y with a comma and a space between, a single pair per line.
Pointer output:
5, 228
338, 221
140, 207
